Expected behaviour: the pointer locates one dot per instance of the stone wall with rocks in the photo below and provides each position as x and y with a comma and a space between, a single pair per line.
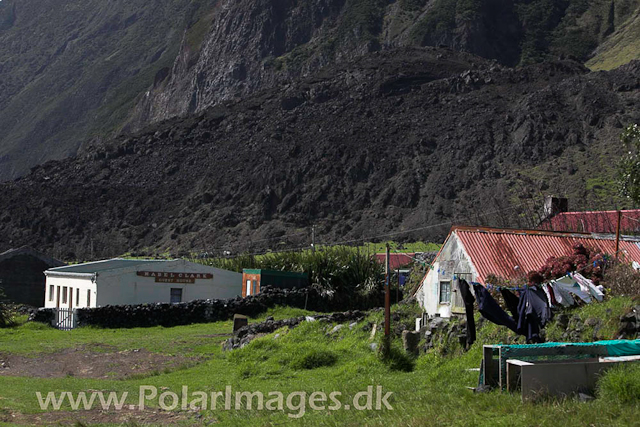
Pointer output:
246, 334
202, 311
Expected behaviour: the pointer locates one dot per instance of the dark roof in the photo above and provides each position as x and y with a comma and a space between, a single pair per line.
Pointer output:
500, 251
594, 222
106, 265
26, 250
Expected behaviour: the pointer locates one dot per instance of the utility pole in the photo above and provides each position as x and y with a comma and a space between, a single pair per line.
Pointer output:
618, 233
313, 238
398, 288
387, 299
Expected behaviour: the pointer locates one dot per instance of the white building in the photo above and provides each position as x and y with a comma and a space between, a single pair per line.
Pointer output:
123, 281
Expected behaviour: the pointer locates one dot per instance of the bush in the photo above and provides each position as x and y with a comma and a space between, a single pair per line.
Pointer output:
621, 384
314, 358
622, 280
338, 270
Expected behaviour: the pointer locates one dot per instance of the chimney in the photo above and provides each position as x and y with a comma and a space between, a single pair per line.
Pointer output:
555, 205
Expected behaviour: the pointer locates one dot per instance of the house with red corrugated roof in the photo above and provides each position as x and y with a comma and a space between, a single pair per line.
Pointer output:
475, 253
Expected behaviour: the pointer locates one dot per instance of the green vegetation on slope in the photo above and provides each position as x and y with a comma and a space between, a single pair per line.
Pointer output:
427, 390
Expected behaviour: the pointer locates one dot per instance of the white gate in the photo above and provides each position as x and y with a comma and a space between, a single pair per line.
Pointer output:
65, 319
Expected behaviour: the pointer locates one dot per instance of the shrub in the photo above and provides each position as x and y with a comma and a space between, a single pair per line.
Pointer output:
314, 358
621, 384
622, 280
338, 270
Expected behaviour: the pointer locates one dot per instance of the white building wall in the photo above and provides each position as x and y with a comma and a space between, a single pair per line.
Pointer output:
452, 261
125, 287
78, 286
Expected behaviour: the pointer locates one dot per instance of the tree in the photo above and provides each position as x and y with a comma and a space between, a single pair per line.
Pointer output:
629, 166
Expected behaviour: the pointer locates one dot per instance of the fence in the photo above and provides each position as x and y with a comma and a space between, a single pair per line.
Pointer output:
65, 319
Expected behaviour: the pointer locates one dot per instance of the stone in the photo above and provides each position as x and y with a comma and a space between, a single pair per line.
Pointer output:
591, 321
335, 329
410, 341
239, 321
583, 397
373, 346
353, 325
562, 320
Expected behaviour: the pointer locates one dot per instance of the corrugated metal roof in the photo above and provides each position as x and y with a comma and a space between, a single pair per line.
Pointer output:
98, 266
500, 251
594, 222
396, 260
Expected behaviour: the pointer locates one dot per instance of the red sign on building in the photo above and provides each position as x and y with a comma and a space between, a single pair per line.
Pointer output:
174, 277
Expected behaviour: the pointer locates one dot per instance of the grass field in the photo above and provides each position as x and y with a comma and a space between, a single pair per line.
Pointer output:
428, 390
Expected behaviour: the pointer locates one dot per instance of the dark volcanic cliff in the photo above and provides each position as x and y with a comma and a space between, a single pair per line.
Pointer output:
72, 72
257, 44
392, 140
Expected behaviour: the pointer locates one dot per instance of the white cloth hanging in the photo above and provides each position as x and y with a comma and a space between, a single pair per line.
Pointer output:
588, 284
569, 284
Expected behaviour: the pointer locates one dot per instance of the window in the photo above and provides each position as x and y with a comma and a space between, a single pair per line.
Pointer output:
248, 287
88, 297
50, 292
64, 294
176, 295
445, 292
77, 297
255, 287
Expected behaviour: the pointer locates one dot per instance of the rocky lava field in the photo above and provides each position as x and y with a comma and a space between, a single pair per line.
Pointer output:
394, 140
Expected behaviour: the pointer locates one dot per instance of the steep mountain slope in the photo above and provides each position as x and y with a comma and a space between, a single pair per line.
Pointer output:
392, 140
72, 71
620, 47
69, 70
255, 44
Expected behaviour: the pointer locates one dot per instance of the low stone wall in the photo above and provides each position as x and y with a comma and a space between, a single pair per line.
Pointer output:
246, 334
203, 311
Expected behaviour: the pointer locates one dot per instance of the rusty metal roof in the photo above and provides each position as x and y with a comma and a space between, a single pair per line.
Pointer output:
594, 221
511, 253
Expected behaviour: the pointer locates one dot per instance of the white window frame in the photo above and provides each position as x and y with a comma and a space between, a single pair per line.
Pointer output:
440, 288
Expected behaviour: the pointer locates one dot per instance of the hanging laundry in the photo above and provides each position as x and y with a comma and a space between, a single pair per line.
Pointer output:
490, 309
562, 296
531, 312
589, 286
570, 285
511, 301
551, 295
467, 297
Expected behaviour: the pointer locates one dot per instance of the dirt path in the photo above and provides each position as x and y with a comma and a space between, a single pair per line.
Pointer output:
95, 361
98, 416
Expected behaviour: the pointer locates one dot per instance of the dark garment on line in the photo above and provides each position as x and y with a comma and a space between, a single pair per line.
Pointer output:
533, 314
511, 301
468, 299
491, 310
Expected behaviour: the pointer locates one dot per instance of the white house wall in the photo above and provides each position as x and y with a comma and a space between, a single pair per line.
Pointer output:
118, 287
123, 286
452, 260
84, 284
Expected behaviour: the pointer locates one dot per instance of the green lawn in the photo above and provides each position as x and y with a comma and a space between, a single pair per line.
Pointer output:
430, 390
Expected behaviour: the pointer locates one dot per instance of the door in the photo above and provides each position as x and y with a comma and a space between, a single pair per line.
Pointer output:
176, 295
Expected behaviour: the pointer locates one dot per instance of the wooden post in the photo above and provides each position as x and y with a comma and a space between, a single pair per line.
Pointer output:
387, 298
618, 233
398, 288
